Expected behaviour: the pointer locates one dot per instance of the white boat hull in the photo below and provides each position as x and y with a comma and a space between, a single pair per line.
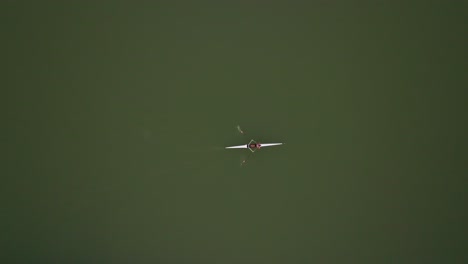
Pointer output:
270, 144
237, 147
261, 145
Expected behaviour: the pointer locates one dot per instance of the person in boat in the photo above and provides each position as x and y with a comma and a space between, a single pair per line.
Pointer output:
255, 146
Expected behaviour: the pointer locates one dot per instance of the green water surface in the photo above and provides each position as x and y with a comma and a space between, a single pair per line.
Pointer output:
117, 116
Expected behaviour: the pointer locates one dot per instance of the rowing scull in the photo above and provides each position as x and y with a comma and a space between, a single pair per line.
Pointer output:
252, 145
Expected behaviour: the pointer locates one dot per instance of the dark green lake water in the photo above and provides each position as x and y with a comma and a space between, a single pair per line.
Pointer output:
117, 116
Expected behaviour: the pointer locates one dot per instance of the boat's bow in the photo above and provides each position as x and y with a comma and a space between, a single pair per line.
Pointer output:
270, 144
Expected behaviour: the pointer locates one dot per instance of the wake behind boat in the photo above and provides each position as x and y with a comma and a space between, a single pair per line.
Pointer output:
253, 145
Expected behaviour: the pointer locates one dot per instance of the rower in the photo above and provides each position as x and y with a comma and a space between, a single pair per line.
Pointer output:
255, 146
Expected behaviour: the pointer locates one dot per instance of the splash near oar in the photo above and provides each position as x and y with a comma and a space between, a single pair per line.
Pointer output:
240, 130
